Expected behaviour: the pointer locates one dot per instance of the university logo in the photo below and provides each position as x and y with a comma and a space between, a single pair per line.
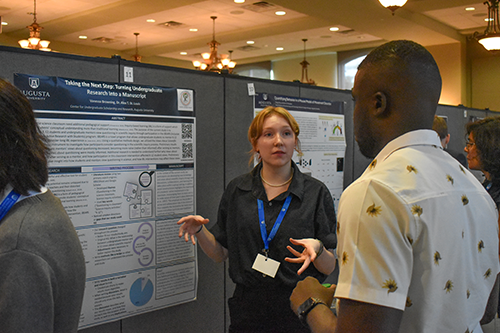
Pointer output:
34, 82
185, 98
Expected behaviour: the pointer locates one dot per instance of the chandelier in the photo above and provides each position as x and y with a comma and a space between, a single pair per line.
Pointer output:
34, 41
211, 60
304, 63
392, 5
136, 56
490, 39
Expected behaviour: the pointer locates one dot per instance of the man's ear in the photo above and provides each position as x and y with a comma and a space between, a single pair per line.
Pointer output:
380, 103
446, 140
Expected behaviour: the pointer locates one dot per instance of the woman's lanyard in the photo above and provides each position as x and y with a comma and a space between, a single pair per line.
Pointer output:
262, 221
7, 203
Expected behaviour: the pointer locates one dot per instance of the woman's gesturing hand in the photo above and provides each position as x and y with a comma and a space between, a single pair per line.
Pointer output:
191, 225
311, 248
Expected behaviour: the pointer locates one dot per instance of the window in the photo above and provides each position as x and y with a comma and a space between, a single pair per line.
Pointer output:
347, 72
261, 70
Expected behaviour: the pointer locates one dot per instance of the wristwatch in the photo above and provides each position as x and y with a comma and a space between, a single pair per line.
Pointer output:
306, 307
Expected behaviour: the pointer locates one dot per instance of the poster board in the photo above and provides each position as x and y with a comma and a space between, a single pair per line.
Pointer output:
123, 164
322, 137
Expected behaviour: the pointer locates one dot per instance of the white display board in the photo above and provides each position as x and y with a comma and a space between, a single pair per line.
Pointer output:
123, 164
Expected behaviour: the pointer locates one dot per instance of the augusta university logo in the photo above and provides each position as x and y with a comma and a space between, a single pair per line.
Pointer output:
185, 98
34, 82
39, 95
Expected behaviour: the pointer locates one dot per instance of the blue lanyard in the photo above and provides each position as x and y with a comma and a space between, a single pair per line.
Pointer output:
267, 239
7, 203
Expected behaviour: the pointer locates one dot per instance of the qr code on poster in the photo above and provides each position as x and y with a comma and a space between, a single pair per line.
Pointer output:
187, 150
187, 131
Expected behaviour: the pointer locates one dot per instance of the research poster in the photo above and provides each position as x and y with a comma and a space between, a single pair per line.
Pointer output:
322, 137
123, 164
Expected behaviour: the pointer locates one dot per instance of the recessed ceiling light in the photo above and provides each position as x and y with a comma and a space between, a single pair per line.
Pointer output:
279, 49
82, 37
280, 13
151, 20
184, 53
334, 29
5, 23
239, 1
470, 9
250, 42
193, 29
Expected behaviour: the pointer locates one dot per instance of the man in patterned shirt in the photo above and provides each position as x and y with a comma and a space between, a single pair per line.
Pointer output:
417, 233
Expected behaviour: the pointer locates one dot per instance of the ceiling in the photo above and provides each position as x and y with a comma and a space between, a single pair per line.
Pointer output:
111, 24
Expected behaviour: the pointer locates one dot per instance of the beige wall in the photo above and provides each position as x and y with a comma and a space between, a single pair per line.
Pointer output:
322, 69
451, 62
485, 79
470, 73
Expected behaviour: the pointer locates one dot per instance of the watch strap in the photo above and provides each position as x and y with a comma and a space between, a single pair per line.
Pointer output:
306, 307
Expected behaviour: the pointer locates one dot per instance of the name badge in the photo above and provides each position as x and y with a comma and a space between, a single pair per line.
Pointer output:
266, 265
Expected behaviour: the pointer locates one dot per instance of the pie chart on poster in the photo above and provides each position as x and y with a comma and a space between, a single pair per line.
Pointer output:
141, 291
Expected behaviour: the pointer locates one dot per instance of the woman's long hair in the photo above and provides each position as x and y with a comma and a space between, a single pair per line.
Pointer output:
23, 147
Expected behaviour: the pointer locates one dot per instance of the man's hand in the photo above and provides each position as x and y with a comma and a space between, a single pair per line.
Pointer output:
310, 287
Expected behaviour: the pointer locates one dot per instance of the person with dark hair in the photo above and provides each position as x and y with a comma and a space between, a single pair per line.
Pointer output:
441, 127
483, 153
261, 215
417, 247
42, 268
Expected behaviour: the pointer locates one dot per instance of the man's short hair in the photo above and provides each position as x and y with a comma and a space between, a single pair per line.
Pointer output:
440, 126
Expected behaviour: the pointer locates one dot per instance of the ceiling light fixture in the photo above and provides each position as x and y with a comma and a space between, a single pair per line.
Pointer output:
211, 60
392, 5
304, 63
490, 39
136, 56
34, 41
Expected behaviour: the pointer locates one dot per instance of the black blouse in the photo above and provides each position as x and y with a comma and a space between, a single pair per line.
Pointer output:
311, 215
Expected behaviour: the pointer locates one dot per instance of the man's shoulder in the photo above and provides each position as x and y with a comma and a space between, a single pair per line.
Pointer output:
413, 170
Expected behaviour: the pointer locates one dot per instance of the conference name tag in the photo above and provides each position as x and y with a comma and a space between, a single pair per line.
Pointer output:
266, 265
